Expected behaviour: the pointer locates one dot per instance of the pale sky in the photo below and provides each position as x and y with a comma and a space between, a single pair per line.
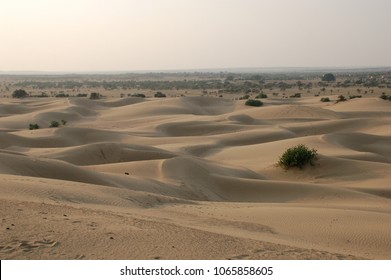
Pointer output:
128, 35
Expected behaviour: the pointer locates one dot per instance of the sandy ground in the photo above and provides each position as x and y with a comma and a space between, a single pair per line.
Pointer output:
194, 178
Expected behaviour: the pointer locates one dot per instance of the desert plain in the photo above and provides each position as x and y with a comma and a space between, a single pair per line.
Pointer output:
195, 176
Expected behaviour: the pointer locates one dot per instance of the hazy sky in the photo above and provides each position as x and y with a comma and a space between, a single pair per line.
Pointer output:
120, 35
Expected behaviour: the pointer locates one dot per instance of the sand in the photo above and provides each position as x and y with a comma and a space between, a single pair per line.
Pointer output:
194, 178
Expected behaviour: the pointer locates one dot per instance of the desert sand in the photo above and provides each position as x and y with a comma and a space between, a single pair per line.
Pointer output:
194, 178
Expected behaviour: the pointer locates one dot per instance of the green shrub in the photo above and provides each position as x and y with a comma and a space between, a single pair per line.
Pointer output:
296, 95
252, 102
261, 95
159, 94
328, 77
43, 94
354, 96
341, 98
20, 93
95, 95
141, 95
325, 99
64, 122
62, 95
244, 97
33, 126
384, 96
297, 156
54, 124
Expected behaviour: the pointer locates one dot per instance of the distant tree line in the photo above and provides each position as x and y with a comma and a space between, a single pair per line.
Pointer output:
220, 82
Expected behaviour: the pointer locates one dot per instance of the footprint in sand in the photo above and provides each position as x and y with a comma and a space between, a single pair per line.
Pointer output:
27, 246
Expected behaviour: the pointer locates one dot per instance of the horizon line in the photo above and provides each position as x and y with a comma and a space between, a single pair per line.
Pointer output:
276, 69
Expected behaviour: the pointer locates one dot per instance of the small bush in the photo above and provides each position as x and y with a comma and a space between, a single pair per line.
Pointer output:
42, 95
33, 126
95, 95
354, 96
261, 95
62, 95
81, 95
325, 99
20, 93
341, 98
297, 156
159, 94
54, 124
141, 95
244, 97
296, 95
252, 102
384, 96
64, 122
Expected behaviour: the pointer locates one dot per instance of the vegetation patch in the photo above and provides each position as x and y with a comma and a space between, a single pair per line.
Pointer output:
54, 124
296, 95
95, 95
159, 94
255, 103
325, 99
62, 95
33, 126
20, 93
384, 96
341, 98
297, 156
141, 95
244, 97
261, 95
328, 77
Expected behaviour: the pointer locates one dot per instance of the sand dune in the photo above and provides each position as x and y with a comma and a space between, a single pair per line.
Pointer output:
15, 164
104, 153
194, 128
367, 105
292, 112
375, 144
194, 177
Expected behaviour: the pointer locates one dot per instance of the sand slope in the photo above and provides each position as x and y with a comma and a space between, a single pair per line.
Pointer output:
194, 178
